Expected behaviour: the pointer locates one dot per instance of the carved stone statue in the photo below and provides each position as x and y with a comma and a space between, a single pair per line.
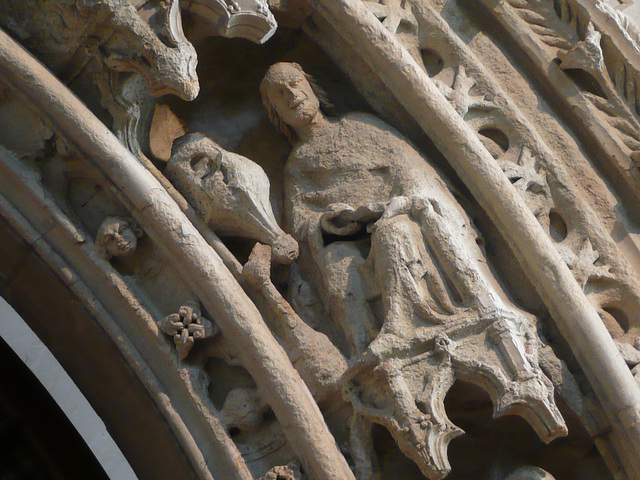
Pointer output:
355, 173
444, 315
366, 329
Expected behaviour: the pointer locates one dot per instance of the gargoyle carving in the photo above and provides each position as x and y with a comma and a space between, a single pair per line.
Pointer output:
122, 36
230, 192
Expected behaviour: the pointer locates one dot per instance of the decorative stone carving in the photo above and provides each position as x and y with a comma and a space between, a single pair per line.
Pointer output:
250, 19
395, 15
459, 94
117, 237
575, 29
628, 26
186, 327
244, 409
339, 355
288, 472
538, 174
355, 173
586, 55
230, 192
317, 360
114, 33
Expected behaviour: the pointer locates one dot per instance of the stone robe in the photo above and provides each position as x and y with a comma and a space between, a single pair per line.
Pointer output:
359, 160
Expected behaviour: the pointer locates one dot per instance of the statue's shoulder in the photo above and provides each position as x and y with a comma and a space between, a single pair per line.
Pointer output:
366, 124
301, 155
365, 121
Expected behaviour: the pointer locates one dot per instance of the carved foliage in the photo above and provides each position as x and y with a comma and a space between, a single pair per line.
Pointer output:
583, 242
612, 82
402, 385
186, 326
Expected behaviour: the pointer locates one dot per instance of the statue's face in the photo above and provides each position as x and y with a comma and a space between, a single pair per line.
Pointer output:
118, 238
291, 95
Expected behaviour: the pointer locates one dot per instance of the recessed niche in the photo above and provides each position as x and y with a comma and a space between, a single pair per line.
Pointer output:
557, 227
433, 62
496, 141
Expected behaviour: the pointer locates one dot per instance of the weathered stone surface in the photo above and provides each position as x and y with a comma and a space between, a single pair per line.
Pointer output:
429, 270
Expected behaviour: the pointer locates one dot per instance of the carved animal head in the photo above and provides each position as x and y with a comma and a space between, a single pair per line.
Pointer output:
230, 192
148, 39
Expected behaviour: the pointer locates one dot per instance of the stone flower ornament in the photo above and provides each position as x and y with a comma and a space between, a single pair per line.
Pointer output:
186, 326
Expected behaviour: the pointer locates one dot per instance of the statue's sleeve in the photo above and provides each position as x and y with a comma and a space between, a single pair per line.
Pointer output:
298, 213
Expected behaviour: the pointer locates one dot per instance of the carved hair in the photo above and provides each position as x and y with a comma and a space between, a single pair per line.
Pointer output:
274, 116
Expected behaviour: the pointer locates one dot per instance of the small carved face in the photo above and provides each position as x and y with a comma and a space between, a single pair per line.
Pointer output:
291, 95
116, 238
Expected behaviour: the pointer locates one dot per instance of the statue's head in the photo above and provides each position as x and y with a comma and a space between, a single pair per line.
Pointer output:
291, 97
117, 238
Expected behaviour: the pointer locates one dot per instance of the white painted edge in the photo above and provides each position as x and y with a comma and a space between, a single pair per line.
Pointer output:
37, 357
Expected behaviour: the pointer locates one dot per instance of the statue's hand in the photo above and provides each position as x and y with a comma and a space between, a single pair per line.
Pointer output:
344, 220
397, 206
338, 220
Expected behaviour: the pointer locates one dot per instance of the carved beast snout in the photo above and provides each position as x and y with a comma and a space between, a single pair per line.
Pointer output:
175, 73
151, 43
230, 192
175, 70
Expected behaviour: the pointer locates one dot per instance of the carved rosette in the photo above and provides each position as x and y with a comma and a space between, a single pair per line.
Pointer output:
185, 327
